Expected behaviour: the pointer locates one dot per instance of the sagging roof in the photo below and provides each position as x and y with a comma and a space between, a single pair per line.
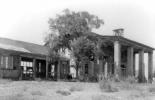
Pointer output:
21, 46
123, 40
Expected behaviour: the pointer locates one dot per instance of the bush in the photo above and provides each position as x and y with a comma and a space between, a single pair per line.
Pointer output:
75, 88
105, 84
152, 89
93, 79
130, 79
63, 92
36, 93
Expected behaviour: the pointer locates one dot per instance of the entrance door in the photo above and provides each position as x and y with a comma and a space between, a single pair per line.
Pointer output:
40, 68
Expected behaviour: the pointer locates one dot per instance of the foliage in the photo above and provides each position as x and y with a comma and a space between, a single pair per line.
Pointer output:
93, 79
131, 79
105, 84
152, 89
63, 92
72, 24
37, 93
76, 88
68, 26
83, 49
71, 30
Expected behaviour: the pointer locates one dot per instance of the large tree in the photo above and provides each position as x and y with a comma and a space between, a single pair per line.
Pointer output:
70, 30
70, 25
83, 50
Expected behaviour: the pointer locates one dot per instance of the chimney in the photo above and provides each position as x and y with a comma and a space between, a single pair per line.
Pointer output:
119, 32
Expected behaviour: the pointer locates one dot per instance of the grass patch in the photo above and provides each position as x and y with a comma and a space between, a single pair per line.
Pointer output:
75, 88
25, 88
130, 79
152, 89
37, 93
5, 81
63, 92
105, 84
104, 97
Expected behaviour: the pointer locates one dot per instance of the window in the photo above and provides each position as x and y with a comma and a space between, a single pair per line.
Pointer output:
1, 60
26, 63
26, 67
6, 62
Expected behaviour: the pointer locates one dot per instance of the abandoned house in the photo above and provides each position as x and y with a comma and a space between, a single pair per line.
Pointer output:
24, 60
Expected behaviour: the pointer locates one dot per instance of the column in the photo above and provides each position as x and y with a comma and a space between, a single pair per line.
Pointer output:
34, 67
91, 68
130, 61
47, 68
100, 67
20, 68
117, 58
58, 70
150, 66
106, 69
134, 65
141, 76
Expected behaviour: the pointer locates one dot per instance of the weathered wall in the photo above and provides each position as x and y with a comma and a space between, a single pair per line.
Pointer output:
5, 73
16, 62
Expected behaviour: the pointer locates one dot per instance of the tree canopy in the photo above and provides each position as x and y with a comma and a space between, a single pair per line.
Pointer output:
70, 30
70, 25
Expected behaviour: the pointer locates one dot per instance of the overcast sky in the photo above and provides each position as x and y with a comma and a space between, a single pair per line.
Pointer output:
26, 20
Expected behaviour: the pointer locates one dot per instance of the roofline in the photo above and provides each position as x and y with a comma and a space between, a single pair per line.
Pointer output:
21, 41
132, 41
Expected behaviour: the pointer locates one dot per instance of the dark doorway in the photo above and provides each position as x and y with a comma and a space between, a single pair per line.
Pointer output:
40, 68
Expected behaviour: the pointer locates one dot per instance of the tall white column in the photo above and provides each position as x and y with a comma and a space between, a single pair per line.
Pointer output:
47, 67
150, 66
117, 58
34, 67
130, 61
141, 75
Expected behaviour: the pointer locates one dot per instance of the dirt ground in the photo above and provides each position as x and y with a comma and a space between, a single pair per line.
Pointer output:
49, 90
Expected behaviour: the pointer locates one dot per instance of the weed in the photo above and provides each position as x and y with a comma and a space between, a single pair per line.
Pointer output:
63, 92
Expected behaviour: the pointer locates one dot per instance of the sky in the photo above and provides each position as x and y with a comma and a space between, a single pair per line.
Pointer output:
27, 20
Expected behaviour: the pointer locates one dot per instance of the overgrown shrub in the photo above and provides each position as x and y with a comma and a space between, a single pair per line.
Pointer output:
63, 92
105, 84
37, 93
75, 88
93, 79
152, 89
131, 79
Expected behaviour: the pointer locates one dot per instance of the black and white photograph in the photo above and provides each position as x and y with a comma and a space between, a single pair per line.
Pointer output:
77, 50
